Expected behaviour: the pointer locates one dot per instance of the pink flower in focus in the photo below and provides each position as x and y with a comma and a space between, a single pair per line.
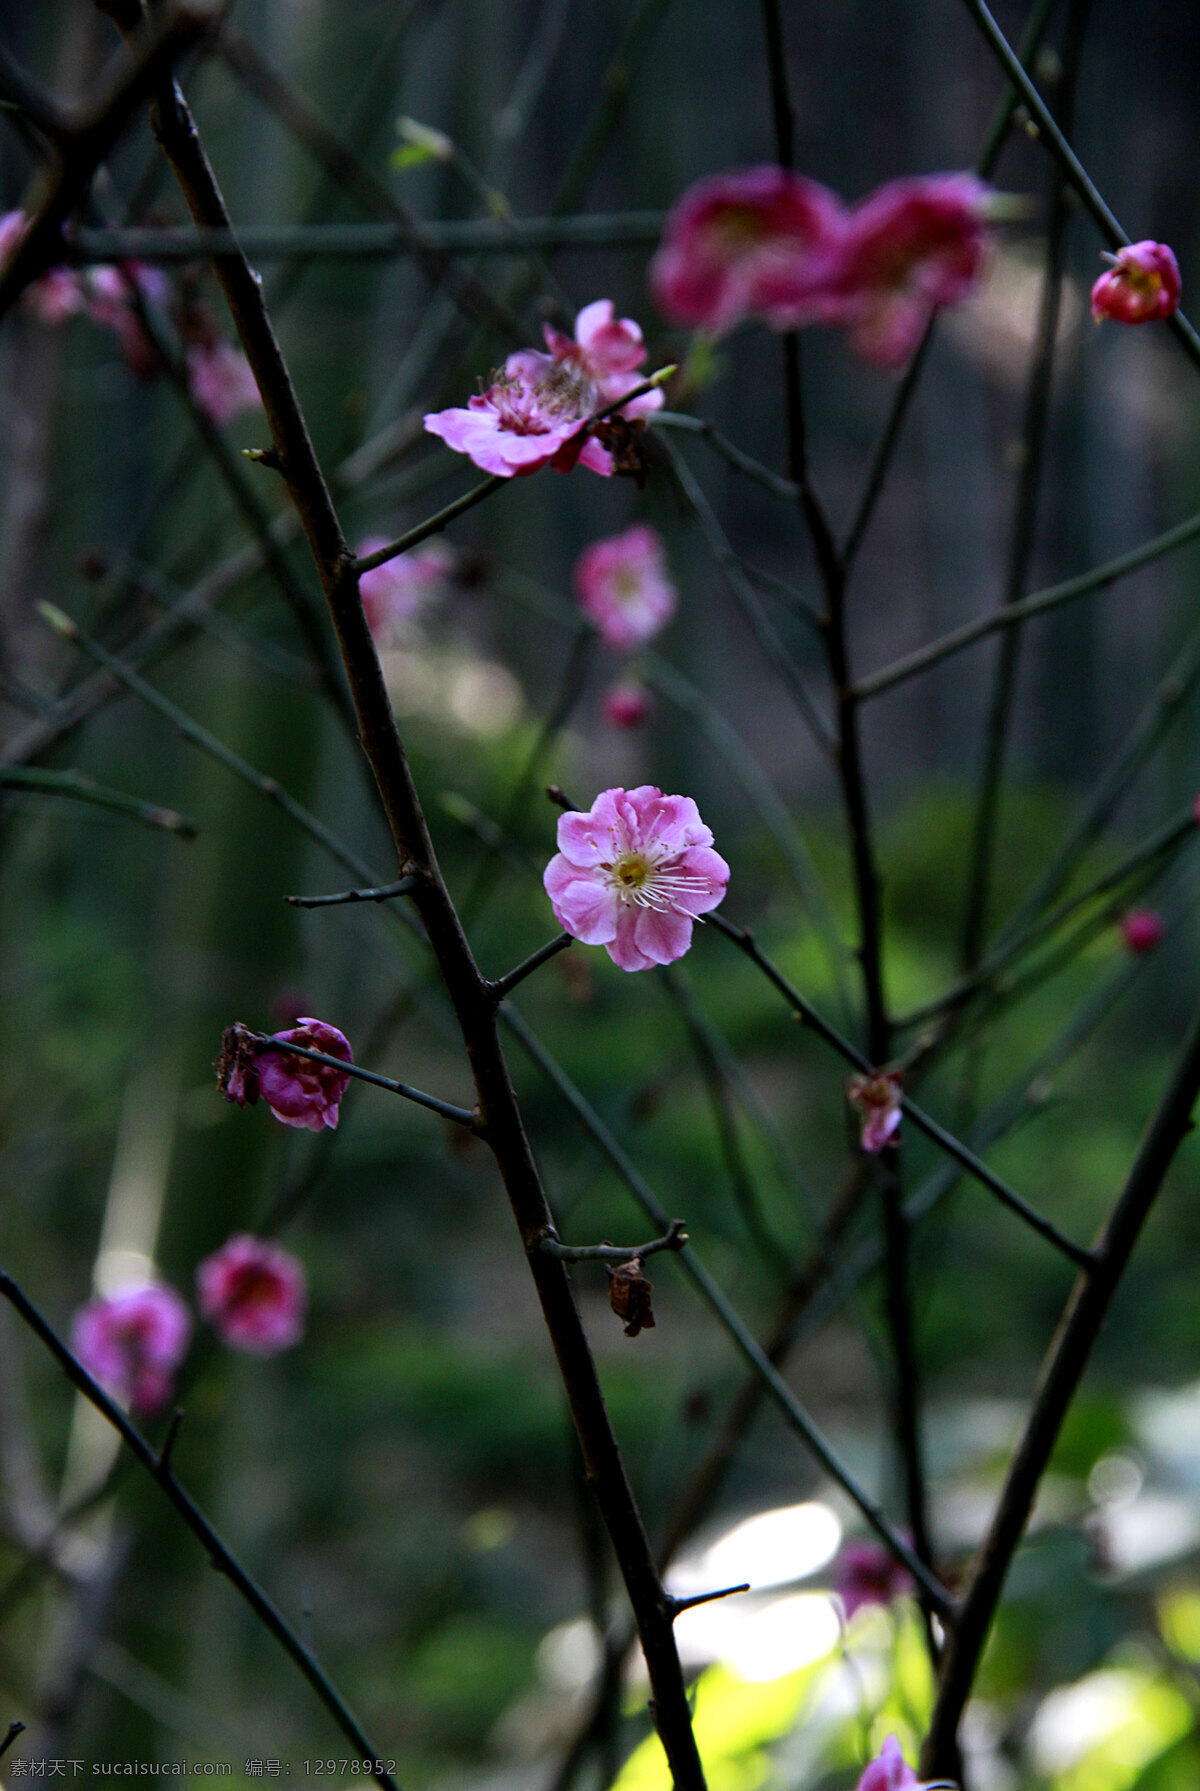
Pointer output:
132, 1342
1142, 929
909, 248
868, 1573
534, 412
622, 585
889, 1771
633, 874
1142, 285
394, 592
876, 1099
297, 1090
627, 705
752, 241
254, 1295
220, 381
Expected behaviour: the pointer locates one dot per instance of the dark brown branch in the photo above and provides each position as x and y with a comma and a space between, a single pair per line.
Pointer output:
673, 1239
1061, 1373
384, 893
506, 984
461, 1116
158, 1465
14, 1729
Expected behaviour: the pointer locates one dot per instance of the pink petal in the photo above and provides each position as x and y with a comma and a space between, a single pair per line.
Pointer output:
623, 949
663, 936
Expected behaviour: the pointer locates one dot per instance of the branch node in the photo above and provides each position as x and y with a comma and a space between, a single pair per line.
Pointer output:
268, 457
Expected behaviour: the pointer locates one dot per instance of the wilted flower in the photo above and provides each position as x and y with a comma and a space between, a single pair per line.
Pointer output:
868, 1573
754, 241
876, 1099
394, 592
627, 705
297, 1090
633, 874
889, 1771
622, 585
253, 1294
535, 411
220, 380
1142, 285
908, 249
132, 1342
1142, 929
631, 1296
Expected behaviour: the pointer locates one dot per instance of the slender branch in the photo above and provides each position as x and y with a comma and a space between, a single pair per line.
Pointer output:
1050, 134
1061, 1373
218, 1553
674, 1238
1039, 604
433, 525
729, 451
81, 788
462, 1116
384, 893
953, 1147
618, 78
278, 242
679, 1605
14, 1729
739, 1331
506, 984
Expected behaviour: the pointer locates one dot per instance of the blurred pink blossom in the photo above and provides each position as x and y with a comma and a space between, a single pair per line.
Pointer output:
1141, 286
633, 873
394, 592
909, 248
753, 241
57, 294
876, 1099
1142, 929
868, 1573
889, 1771
254, 1295
132, 1342
534, 412
622, 585
627, 705
110, 295
297, 1090
220, 380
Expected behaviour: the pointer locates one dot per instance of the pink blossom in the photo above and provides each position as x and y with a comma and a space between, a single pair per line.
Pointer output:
622, 585
876, 1099
220, 380
1142, 285
535, 411
394, 592
889, 1771
868, 1573
1142, 929
57, 294
132, 1342
751, 241
254, 1295
633, 874
110, 295
627, 705
909, 248
297, 1090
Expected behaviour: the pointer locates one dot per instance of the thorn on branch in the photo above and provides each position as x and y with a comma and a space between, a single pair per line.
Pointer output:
676, 1606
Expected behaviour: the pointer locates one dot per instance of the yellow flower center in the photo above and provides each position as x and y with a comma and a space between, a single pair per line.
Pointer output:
633, 870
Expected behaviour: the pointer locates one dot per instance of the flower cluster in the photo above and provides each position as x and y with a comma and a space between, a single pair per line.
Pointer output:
538, 408
765, 243
633, 874
1141, 286
113, 298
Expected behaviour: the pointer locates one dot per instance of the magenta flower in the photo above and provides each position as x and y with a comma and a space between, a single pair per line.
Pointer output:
254, 1295
1141, 285
868, 1573
297, 1090
393, 593
908, 249
132, 1342
220, 381
753, 241
889, 1771
622, 585
627, 705
1142, 929
633, 874
876, 1099
535, 412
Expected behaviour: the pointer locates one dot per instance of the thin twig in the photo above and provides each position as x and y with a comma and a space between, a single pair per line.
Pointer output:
218, 1553
462, 1116
679, 1605
77, 786
506, 984
14, 1729
385, 893
674, 1238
